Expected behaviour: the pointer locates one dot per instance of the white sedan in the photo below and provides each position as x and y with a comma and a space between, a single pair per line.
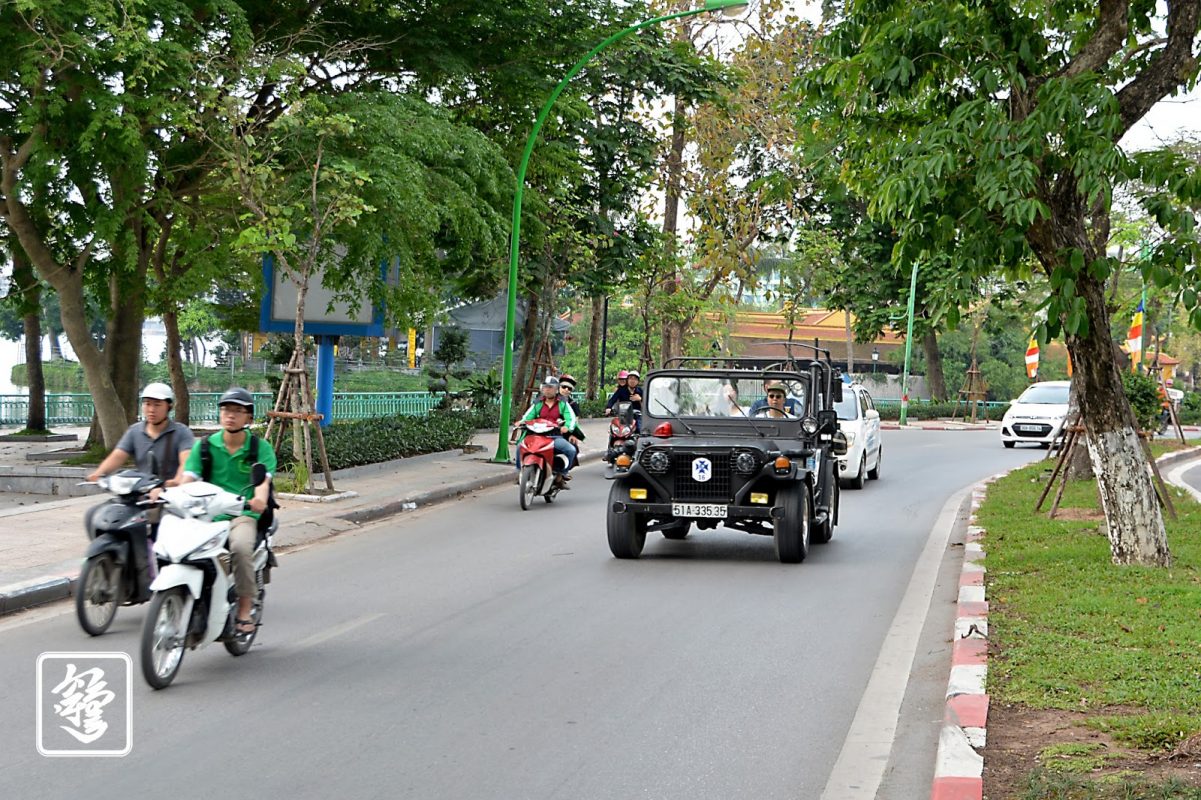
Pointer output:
859, 421
1037, 416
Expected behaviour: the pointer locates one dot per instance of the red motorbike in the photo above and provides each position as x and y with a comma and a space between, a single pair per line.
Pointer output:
536, 455
622, 429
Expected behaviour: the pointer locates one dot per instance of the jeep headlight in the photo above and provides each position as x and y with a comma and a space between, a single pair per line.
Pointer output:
656, 462
809, 426
745, 463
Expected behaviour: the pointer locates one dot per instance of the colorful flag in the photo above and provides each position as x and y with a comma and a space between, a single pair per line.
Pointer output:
1032, 359
1134, 338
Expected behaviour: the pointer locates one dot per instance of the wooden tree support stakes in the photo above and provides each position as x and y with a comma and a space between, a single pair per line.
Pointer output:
295, 403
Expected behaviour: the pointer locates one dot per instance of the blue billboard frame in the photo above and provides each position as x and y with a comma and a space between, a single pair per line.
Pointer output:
269, 325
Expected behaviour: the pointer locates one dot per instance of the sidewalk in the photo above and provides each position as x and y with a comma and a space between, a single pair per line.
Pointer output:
42, 543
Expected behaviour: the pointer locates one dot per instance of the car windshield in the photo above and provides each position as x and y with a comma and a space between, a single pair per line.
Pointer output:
1045, 395
717, 396
848, 406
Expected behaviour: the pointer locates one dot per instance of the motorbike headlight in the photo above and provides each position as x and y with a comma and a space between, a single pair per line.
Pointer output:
212, 542
656, 462
746, 463
809, 426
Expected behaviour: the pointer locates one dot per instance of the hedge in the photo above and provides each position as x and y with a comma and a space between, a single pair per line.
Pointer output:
370, 441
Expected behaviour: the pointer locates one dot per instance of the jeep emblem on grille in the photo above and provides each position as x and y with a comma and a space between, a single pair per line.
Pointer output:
702, 469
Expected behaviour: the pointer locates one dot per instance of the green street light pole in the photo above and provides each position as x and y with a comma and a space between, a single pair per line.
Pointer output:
908, 348
506, 393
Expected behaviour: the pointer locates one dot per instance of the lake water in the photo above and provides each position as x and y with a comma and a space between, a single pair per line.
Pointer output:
13, 353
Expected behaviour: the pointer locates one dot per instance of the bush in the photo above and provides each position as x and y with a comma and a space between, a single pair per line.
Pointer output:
592, 408
1190, 408
921, 409
1143, 393
370, 441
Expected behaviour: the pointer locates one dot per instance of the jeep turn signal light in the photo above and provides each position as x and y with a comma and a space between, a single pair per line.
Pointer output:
622, 461
783, 464
637, 494
759, 498
663, 430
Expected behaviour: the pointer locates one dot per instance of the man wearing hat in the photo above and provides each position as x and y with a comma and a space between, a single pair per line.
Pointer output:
566, 387
773, 407
553, 408
791, 405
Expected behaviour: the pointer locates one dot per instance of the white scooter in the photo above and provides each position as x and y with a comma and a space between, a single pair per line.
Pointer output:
193, 603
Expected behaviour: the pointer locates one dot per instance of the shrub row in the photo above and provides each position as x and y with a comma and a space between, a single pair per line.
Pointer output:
370, 441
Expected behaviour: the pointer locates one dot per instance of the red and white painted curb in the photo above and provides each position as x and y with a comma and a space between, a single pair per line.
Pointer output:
959, 767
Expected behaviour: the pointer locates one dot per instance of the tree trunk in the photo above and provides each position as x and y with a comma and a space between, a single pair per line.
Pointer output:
1132, 513
179, 381
672, 344
935, 381
1080, 465
596, 335
529, 335
123, 340
56, 347
28, 304
67, 280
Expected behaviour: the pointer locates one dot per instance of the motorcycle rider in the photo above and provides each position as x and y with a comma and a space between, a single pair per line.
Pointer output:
169, 441
632, 380
230, 455
552, 407
621, 395
566, 387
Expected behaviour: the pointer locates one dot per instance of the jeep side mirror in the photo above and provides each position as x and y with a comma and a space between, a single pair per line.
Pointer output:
837, 389
258, 474
838, 445
827, 421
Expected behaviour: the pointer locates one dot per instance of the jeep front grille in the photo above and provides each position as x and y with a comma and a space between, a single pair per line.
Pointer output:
716, 489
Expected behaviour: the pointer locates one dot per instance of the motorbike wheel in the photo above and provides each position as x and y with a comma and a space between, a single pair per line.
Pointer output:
529, 485
98, 593
239, 645
163, 637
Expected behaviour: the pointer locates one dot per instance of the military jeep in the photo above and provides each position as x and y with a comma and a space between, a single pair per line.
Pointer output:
710, 454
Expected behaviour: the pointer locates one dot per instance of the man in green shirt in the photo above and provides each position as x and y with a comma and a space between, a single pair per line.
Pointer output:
229, 450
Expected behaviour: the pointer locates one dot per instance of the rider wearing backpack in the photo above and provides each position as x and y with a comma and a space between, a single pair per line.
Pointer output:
225, 459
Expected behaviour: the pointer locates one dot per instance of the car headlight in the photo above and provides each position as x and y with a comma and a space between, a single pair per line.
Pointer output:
809, 426
746, 463
655, 462
850, 436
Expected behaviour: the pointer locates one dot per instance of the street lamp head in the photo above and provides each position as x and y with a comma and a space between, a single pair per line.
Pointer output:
875, 354
730, 8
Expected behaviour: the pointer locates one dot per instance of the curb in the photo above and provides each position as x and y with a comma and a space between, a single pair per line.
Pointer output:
959, 763
50, 589
441, 494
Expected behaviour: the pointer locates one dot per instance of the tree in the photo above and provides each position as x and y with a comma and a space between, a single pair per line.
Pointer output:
988, 133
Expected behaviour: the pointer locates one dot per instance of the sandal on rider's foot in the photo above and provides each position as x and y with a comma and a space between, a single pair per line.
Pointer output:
566, 476
244, 627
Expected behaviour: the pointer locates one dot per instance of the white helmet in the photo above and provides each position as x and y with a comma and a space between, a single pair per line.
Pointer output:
158, 391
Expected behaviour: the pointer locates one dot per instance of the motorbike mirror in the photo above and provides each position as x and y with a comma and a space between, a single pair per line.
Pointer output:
258, 474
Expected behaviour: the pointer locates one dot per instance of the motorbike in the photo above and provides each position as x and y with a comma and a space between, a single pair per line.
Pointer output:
194, 603
536, 455
622, 430
119, 564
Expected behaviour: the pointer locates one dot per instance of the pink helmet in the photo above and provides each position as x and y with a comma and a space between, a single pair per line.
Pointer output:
621, 376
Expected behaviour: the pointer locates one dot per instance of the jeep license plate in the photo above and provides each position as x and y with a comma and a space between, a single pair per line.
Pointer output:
699, 510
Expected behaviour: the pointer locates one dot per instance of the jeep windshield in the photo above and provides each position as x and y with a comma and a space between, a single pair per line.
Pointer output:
726, 397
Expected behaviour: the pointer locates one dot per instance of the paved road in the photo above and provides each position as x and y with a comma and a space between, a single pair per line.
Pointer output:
473, 650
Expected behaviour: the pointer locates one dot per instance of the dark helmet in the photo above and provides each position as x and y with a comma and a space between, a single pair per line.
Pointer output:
237, 396
567, 379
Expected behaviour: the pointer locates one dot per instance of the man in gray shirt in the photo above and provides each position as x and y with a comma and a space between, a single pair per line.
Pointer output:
157, 433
